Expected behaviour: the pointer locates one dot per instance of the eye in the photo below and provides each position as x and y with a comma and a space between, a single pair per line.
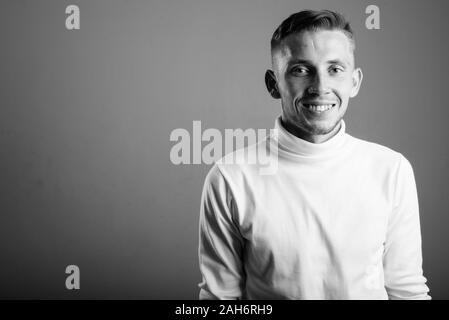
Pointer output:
336, 69
299, 70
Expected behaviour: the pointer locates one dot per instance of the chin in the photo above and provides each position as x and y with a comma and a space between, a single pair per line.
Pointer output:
323, 127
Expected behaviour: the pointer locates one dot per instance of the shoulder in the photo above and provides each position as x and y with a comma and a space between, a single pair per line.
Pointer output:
377, 153
245, 161
224, 172
240, 169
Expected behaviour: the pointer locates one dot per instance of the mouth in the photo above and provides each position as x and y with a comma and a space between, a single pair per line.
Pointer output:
319, 107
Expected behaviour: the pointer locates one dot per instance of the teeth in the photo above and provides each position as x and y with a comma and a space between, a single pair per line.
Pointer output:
319, 108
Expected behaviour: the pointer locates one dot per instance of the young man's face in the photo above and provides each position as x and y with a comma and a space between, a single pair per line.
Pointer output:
314, 77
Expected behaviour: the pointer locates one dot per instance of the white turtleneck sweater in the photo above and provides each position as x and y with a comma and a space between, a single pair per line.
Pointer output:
336, 220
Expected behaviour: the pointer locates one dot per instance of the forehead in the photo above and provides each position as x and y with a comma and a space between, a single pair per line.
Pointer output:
316, 46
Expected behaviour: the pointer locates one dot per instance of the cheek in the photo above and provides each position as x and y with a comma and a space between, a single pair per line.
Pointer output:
344, 89
287, 92
294, 88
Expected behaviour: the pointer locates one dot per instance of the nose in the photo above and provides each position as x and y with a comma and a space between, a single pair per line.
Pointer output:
318, 85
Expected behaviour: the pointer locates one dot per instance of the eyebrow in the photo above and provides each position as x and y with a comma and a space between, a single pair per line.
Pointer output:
337, 61
307, 62
299, 61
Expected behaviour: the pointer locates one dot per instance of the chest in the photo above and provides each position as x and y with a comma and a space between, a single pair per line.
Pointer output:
316, 214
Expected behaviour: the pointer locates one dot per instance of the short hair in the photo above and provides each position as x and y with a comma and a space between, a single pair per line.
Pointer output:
311, 20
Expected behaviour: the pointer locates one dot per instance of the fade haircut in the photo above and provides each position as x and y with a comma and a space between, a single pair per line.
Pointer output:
311, 20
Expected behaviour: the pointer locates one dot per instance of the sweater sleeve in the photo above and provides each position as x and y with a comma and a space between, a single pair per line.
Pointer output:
220, 242
402, 258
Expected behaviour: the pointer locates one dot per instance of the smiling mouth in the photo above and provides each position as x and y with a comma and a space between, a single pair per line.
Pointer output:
319, 107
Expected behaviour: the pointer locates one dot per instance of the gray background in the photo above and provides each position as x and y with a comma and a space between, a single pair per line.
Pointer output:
86, 115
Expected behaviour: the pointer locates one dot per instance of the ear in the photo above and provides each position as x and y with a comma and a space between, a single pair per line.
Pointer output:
357, 77
270, 82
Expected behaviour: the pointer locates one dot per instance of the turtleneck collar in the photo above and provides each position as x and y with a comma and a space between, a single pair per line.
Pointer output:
292, 144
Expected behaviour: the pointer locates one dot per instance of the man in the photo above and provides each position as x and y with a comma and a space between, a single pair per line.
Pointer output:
339, 218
